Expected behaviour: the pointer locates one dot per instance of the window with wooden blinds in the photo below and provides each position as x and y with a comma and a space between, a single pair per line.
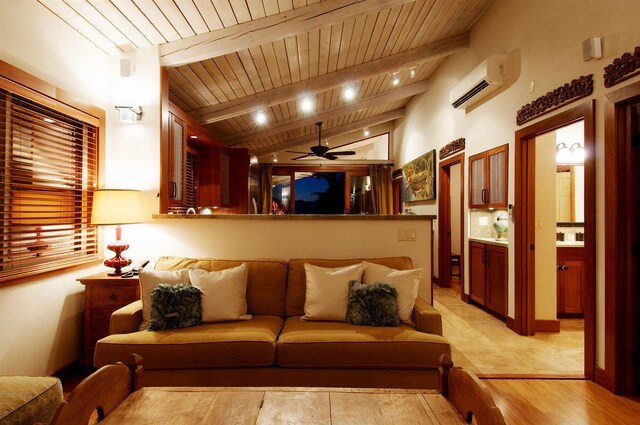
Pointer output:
48, 174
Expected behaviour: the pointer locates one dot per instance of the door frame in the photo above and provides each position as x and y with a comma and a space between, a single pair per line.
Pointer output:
621, 328
524, 225
444, 221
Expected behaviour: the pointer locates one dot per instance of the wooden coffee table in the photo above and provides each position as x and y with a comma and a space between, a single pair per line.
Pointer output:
197, 405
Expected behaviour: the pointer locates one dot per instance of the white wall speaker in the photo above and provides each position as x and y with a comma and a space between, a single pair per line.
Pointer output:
126, 68
591, 48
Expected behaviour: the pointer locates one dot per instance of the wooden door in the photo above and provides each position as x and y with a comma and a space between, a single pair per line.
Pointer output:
497, 167
570, 278
477, 286
177, 164
497, 277
477, 181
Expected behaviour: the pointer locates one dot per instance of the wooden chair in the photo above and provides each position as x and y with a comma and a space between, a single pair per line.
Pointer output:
468, 395
102, 391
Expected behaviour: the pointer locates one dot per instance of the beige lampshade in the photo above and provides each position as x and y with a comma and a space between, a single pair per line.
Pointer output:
116, 206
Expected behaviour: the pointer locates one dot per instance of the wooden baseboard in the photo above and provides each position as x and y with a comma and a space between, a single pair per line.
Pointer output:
511, 323
68, 372
434, 280
465, 297
561, 376
601, 378
547, 326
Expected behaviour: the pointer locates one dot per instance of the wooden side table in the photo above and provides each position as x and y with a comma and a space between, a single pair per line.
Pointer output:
102, 296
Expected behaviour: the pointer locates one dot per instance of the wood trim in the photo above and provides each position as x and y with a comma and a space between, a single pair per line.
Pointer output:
553, 376
452, 147
464, 296
444, 223
622, 68
603, 378
618, 331
510, 323
265, 30
563, 95
164, 141
278, 95
524, 315
548, 326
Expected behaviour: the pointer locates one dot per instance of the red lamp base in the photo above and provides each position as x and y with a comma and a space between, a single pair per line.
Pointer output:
117, 262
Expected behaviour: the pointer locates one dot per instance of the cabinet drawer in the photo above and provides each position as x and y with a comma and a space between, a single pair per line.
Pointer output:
116, 295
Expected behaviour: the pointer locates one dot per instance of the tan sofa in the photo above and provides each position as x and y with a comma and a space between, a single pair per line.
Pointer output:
276, 348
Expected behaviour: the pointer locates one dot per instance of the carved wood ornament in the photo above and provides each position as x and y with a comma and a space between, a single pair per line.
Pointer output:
570, 92
452, 147
622, 68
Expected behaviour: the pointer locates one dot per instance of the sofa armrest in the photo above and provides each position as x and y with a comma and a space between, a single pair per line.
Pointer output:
126, 319
427, 318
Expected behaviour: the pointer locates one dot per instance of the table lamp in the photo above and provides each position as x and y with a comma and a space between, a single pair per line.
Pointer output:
115, 207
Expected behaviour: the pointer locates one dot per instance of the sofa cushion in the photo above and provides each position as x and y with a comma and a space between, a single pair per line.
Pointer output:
296, 278
341, 345
372, 305
406, 283
174, 307
224, 293
249, 343
327, 291
266, 280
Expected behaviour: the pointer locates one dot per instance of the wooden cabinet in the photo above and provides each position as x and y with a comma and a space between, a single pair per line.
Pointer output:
489, 276
488, 176
103, 295
570, 280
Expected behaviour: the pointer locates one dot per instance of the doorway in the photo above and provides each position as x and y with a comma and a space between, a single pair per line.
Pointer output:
451, 223
525, 224
622, 238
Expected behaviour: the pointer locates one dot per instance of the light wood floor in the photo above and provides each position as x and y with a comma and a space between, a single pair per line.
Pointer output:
484, 345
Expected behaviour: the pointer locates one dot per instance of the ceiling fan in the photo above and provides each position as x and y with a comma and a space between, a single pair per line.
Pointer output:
323, 151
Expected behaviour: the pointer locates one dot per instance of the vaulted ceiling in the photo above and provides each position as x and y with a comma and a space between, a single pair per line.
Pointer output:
229, 60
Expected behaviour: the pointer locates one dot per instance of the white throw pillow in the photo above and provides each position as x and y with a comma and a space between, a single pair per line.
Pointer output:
224, 293
327, 291
406, 283
149, 279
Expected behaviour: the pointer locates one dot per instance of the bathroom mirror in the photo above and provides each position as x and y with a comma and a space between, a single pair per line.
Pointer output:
570, 194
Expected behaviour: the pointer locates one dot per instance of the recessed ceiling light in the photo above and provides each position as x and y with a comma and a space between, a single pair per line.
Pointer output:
193, 136
306, 105
49, 120
261, 118
395, 80
412, 72
366, 132
275, 158
349, 93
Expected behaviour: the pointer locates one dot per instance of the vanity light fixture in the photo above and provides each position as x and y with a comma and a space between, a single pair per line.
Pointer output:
260, 118
577, 152
395, 79
563, 156
349, 93
129, 113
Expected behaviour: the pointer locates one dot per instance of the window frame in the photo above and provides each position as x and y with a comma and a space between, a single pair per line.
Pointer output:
17, 82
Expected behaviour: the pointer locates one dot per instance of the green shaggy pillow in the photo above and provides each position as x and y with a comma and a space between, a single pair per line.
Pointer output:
174, 307
372, 305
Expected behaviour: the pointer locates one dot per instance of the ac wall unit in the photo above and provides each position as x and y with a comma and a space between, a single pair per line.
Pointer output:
484, 79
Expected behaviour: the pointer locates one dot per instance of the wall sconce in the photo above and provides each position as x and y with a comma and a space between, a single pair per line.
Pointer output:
129, 113
569, 155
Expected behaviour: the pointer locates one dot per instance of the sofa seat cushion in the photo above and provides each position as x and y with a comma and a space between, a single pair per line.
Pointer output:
341, 345
249, 343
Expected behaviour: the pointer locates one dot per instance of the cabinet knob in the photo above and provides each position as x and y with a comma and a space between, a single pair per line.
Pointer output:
112, 296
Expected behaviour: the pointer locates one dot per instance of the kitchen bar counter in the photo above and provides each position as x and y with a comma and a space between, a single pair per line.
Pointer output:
342, 217
490, 241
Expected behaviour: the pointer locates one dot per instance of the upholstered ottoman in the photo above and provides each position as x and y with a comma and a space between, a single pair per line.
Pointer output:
28, 400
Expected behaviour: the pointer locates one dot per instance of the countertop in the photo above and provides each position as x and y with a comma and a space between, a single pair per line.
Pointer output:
343, 217
569, 244
490, 241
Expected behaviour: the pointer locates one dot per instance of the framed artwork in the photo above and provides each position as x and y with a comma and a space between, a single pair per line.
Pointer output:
419, 178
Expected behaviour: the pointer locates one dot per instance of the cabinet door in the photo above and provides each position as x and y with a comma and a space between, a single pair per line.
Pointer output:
570, 277
477, 272
497, 279
477, 188
177, 145
497, 175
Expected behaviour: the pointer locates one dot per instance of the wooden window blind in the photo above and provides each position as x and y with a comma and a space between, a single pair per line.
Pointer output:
48, 174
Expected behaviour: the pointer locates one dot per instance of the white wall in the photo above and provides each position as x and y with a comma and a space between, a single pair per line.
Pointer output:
544, 41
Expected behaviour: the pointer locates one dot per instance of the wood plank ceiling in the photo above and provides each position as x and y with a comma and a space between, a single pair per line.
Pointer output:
229, 60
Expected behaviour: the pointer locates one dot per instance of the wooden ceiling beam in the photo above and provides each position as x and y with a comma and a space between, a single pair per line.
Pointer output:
266, 30
297, 122
331, 132
260, 101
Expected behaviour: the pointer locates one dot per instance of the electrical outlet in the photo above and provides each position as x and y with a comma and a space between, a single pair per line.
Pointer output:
412, 234
402, 234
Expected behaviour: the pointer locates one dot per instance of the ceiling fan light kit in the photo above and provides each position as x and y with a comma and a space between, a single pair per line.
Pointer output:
323, 151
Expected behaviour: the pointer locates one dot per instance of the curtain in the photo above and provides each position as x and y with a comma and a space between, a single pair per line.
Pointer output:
381, 189
264, 179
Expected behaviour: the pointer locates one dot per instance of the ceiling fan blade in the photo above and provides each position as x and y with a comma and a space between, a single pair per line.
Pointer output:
302, 153
342, 153
330, 156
